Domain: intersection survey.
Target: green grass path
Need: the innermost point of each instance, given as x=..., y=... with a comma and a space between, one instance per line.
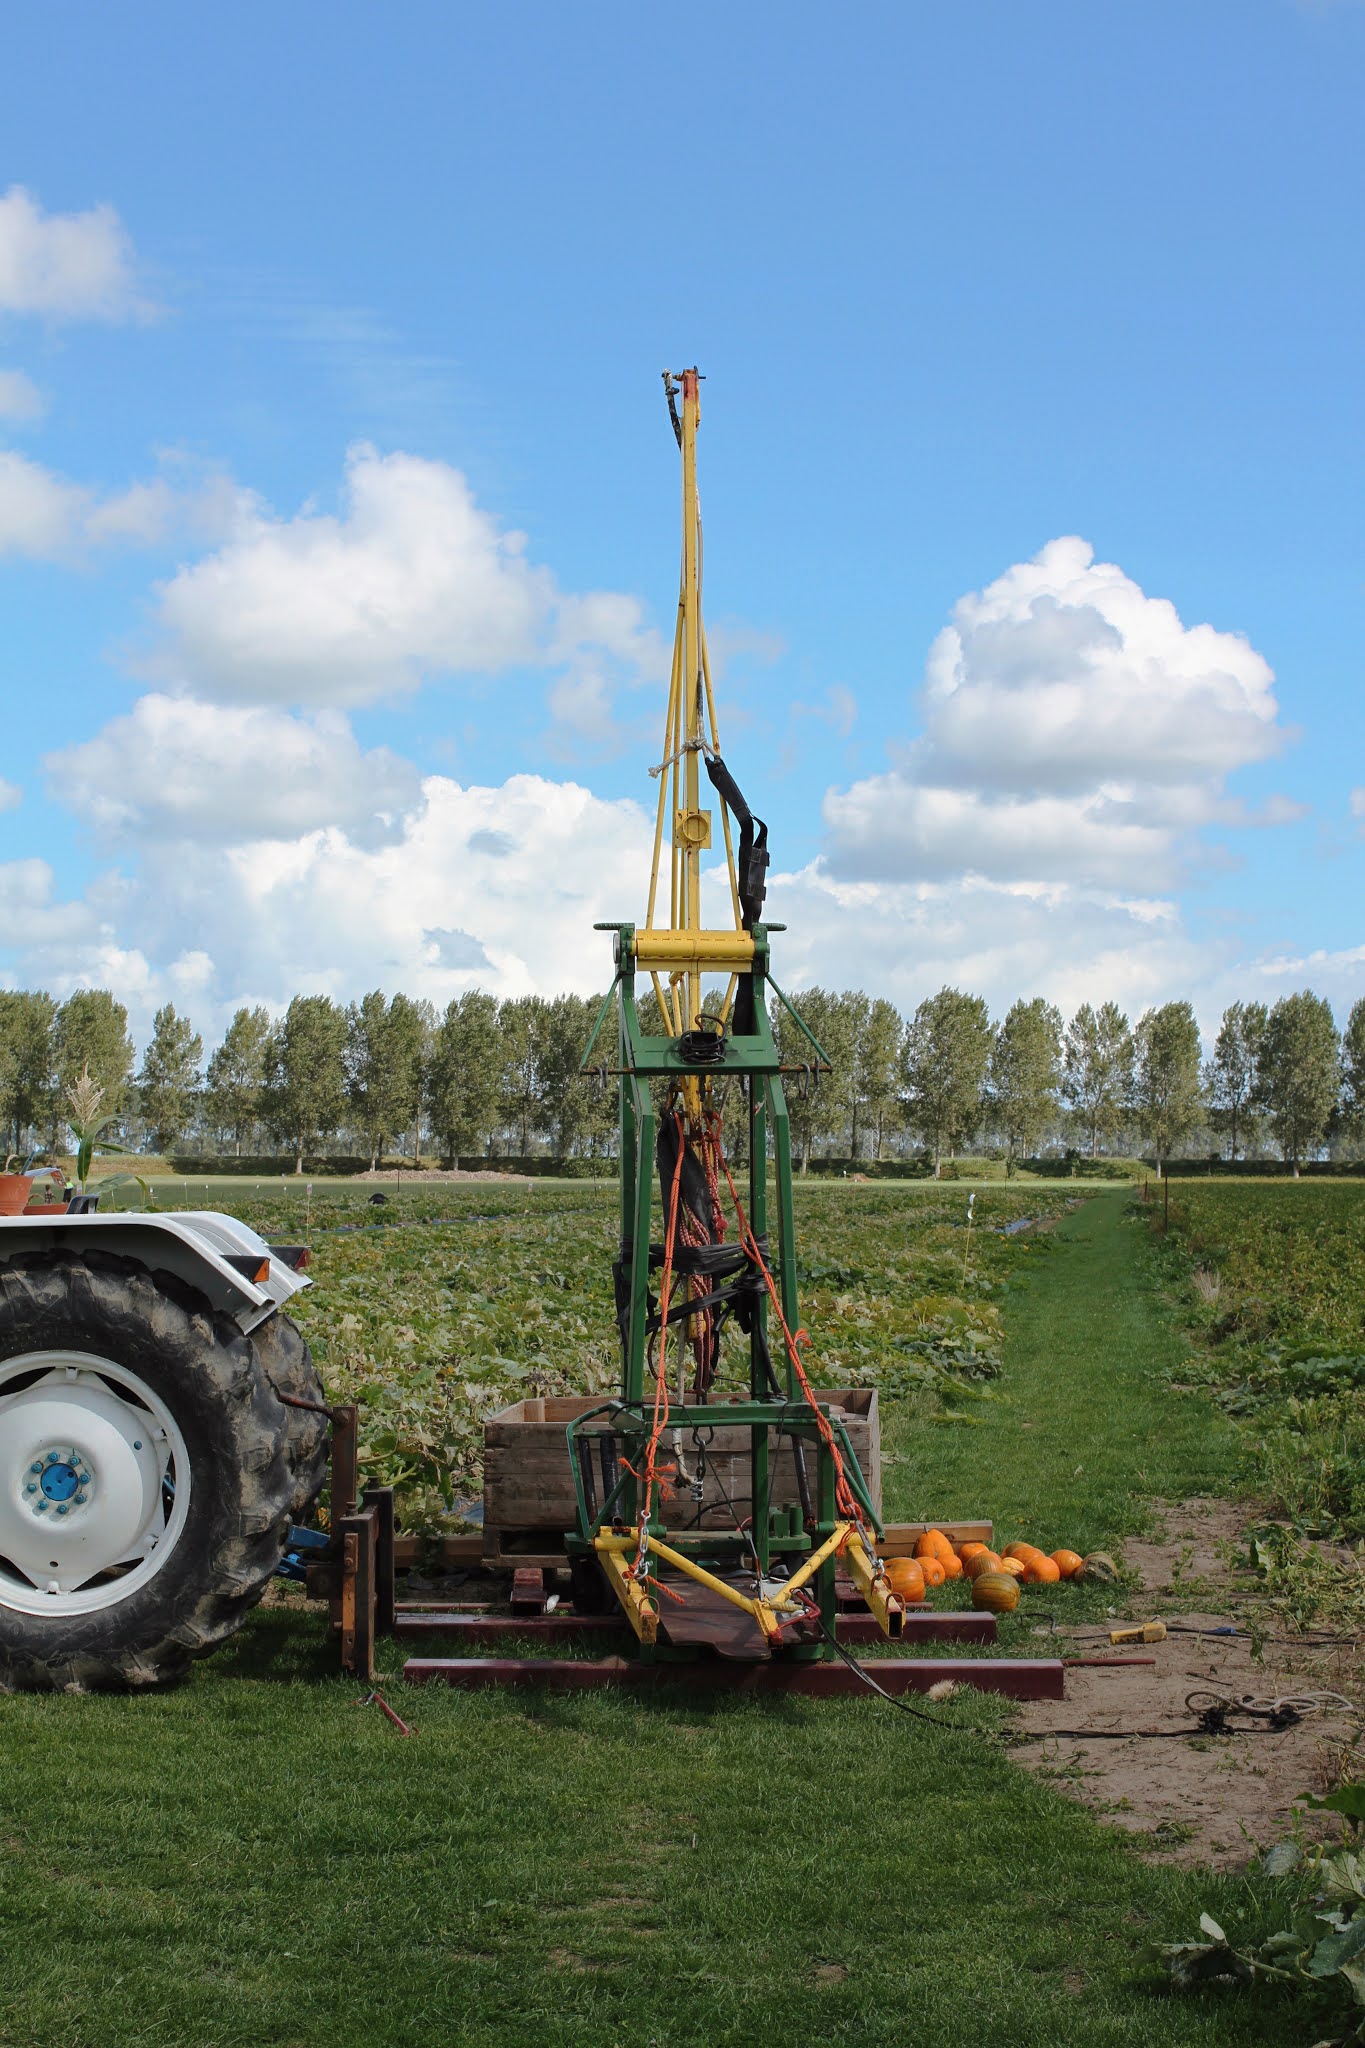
x=1081, y=1431
x=255, y=1861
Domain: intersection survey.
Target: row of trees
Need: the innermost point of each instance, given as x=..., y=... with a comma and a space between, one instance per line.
x=384, y=1073
x=388, y=1073
x=1283, y=1070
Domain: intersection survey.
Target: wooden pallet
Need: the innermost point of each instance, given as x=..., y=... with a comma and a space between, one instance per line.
x=529, y=1497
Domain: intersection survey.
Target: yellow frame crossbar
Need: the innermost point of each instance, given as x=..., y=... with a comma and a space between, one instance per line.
x=612, y=1546
x=641, y=1612
x=869, y=1576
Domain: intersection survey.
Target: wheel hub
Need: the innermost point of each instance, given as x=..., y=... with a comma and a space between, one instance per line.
x=94, y=1482
x=62, y=1478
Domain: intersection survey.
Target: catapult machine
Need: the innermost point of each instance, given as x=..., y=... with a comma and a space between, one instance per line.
x=717, y=1515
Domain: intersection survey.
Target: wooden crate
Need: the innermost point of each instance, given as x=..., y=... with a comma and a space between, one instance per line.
x=528, y=1491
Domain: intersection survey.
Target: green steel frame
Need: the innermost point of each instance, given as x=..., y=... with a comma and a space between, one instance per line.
x=753, y=1058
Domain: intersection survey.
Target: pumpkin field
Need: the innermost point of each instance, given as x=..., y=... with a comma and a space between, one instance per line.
x=442, y=1306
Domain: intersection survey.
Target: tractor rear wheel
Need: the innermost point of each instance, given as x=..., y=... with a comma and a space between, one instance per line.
x=149, y=1471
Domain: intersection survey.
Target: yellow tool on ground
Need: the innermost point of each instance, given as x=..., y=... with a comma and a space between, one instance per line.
x=1140, y=1632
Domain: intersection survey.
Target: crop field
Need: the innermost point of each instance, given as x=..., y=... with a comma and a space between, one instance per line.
x=446, y=1303
x=1272, y=1279
x=1290, y=1257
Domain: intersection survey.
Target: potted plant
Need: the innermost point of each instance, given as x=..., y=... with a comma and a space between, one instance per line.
x=15, y=1185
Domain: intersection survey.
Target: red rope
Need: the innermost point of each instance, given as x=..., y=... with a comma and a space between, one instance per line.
x=637, y=1570
x=714, y=1162
x=845, y=1498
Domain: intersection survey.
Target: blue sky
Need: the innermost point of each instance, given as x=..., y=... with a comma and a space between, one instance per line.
x=301, y=319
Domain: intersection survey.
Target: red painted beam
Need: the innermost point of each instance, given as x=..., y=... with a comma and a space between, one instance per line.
x=1022, y=1678
x=567, y=1626
x=916, y=1627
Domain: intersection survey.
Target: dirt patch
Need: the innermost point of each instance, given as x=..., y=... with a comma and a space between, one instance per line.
x=1214, y=1800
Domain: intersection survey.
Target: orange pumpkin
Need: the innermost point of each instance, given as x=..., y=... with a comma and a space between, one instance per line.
x=967, y=1551
x=905, y=1578
x=997, y=1592
x=1040, y=1571
x=984, y=1561
x=933, y=1543
x=932, y=1567
x=1023, y=1551
x=1068, y=1562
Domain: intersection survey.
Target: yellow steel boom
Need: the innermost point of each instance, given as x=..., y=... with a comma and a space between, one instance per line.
x=682, y=948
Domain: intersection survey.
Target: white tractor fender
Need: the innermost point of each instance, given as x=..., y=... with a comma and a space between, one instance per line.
x=229, y=1263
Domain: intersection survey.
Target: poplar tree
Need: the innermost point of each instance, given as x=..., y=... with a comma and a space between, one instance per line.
x=945, y=1056
x=1230, y=1078
x=1299, y=1072
x=307, y=1085
x=92, y=1037
x=849, y=1020
x=1026, y=1066
x=814, y=1106
x=28, y=1054
x=1097, y=1071
x=876, y=1058
x=387, y=1045
x=1167, y=1095
x=1353, y=1069
x=463, y=1081
x=368, y=1092
x=563, y=1094
x=169, y=1081
x=237, y=1074
x=521, y=1034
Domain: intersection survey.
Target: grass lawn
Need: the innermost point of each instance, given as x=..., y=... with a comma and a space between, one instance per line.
x=1082, y=1428
x=256, y=1860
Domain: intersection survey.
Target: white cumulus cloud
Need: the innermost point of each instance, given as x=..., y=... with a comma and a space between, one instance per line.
x=496, y=887
x=411, y=579
x=226, y=774
x=48, y=517
x=65, y=266
x=1074, y=729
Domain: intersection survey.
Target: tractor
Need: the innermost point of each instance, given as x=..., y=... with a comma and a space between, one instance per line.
x=161, y=1428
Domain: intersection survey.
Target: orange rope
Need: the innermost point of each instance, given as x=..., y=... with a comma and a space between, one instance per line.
x=713, y=1156
x=664, y=1476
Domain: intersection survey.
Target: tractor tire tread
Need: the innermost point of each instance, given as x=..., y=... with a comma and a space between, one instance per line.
x=256, y=1463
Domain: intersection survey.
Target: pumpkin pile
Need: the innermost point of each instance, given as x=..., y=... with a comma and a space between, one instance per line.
x=996, y=1580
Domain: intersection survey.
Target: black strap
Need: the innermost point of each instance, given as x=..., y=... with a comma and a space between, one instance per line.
x=753, y=879
x=753, y=842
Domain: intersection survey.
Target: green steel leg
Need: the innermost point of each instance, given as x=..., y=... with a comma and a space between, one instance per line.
x=786, y=1221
